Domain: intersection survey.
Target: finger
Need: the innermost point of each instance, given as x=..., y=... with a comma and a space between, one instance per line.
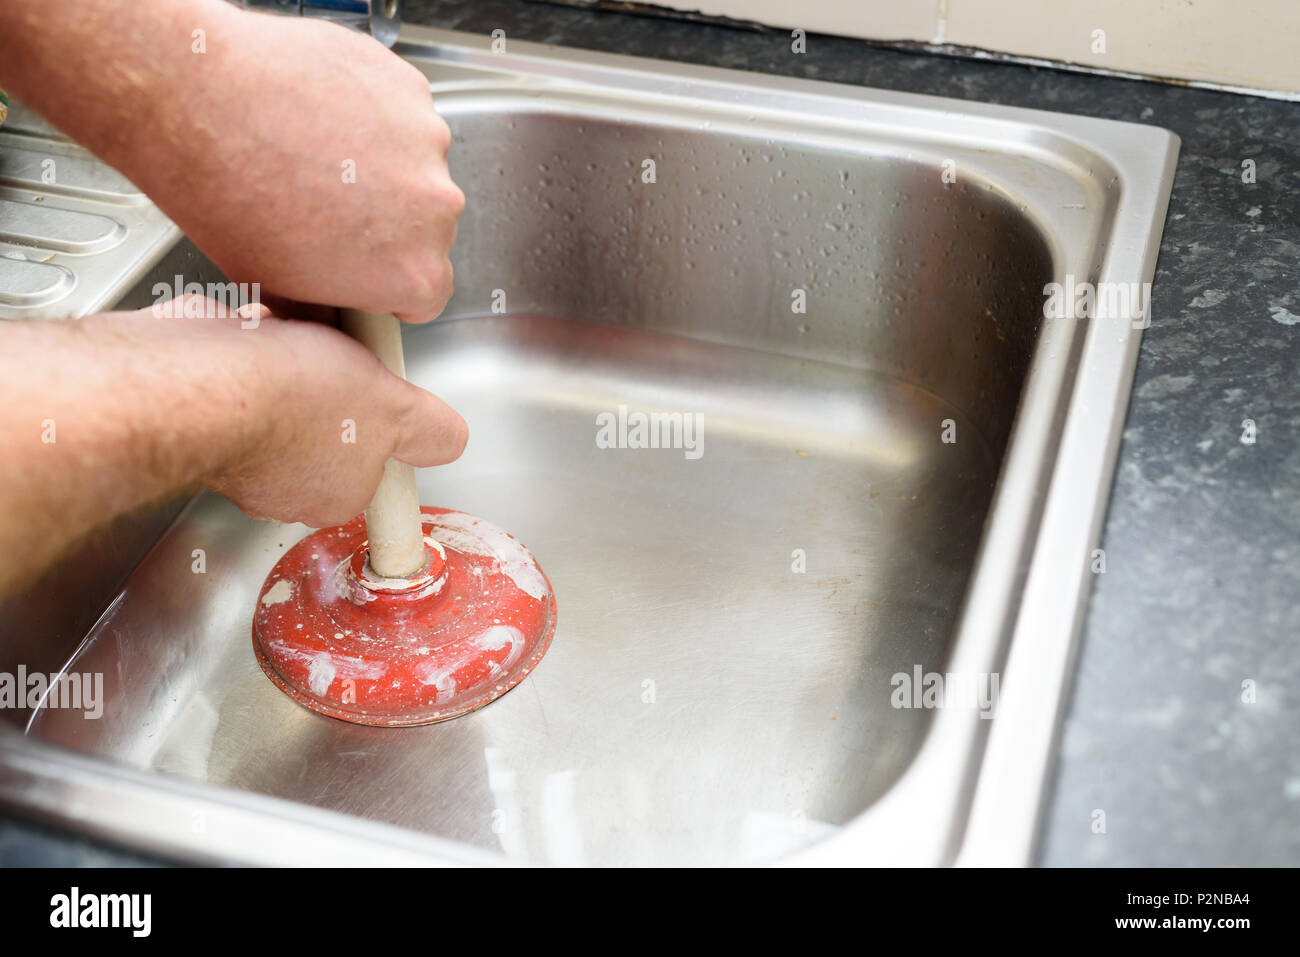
x=428, y=306
x=189, y=306
x=191, y=314
x=448, y=287
x=431, y=433
x=293, y=309
x=251, y=314
x=439, y=295
x=416, y=318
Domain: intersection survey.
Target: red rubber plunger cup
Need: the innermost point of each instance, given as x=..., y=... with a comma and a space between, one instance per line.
x=406, y=615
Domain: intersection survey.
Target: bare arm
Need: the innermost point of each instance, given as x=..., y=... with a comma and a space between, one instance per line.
x=293, y=152
x=113, y=412
x=296, y=155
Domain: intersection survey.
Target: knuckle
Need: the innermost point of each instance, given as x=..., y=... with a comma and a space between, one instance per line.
x=416, y=80
x=443, y=288
x=416, y=281
x=441, y=131
x=442, y=195
x=455, y=199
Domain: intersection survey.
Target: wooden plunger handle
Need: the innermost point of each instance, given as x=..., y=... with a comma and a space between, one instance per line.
x=393, y=516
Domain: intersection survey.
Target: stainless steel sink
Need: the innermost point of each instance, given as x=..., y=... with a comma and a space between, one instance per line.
x=740, y=613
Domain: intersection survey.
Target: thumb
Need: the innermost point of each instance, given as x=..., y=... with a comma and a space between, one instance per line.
x=431, y=432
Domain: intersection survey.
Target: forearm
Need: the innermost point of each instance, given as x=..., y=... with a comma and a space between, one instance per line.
x=293, y=152
x=156, y=88
x=112, y=75
x=103, y=416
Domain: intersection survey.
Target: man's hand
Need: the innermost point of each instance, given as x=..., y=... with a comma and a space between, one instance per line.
x=325, y=175
x=293, y=420
x=294, y=152
x=332, y=417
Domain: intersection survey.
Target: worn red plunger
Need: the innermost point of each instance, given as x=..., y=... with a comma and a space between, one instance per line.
x=405, y=615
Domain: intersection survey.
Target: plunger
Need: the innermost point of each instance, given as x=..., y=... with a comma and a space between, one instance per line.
x=404, y=615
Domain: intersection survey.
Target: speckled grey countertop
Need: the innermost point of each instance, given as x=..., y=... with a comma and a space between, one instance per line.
x=1202, y=588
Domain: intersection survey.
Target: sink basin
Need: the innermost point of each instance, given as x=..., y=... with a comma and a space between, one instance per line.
x=878, y=467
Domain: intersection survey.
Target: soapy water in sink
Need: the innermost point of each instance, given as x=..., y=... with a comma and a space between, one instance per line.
x=718, y=690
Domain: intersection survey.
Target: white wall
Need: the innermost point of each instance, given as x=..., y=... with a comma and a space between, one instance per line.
x=1251, y=44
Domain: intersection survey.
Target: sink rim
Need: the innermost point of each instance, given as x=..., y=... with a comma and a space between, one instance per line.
x=1078, y=365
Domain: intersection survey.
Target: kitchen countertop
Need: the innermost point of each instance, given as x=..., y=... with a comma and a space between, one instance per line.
x=1188, y=681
